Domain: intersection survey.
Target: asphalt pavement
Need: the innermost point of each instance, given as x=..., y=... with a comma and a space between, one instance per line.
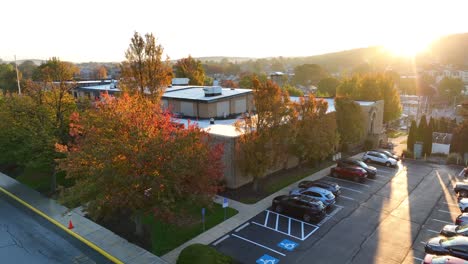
x=28, y=238
x=385, y=220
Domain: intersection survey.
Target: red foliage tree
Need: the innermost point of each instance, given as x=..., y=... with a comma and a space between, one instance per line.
x=128, y=156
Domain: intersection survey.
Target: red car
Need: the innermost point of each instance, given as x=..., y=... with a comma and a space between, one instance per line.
x=355, y=173
x=434, y=259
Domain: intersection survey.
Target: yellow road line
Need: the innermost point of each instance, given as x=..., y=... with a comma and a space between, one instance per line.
x=55, y=222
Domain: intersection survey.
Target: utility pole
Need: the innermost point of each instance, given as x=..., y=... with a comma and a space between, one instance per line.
x=17, y=77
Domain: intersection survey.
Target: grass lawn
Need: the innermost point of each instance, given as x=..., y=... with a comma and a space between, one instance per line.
x=395, y=134
x=167, y=236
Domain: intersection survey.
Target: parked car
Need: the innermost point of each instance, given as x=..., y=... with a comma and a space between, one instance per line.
x=351, y=172
x=371, y=171
x=456, y=246
x=461, y=189
x=327, y=185
x=462, y=219
x=463, y=204
x=372, y=156
x=325, y=196
x=387, y=153
x=446, y=259
x=302, y=207
x=454, y=230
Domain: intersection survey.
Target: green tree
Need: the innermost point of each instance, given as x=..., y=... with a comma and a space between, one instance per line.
x=427, y=147
x=459, y=142
x=349, y=120
x=129, y=157
x=27, y=69
x=8, y=81
x=292, y=91
x=309, y=74
x=422, y=128
x=328, y=86
x=144, y=70
x=450, y=88
x=246, y=80
x=192, y=69
x=412, y=136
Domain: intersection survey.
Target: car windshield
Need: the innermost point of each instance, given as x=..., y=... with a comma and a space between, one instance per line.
x=362, y=164
x=462, y=228
x=447, y=242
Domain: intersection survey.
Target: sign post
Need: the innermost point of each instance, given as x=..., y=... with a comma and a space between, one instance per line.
x=225, y=205
x=203, y=218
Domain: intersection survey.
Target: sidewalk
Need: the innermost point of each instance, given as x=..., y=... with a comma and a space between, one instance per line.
x=96, y=234
x=246, y=212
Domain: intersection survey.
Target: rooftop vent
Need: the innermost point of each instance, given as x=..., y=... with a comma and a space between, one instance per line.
x=212, y=91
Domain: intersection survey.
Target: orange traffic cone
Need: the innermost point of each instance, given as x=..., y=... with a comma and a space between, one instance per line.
x=70, y=224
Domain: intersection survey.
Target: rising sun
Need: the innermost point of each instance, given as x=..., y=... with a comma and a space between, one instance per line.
x=408, y=48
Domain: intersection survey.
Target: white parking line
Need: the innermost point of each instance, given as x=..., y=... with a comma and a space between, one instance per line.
x=289, y=226
x=376, y=180
x=350, y=189
x=242, y=227
x=450, y=223
x=368, y=186
x=324, y=220
x=221, y=240
x=422, y=242
x=266, y=218
x=260, y=245
x=443, y=211
x=347, y=198
x=432, y=231
x=277, y=221
x=420, y=259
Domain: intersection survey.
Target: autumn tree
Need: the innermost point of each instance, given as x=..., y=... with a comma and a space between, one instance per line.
x=373, y=87
x=128, y=157
x=246, y=79
x=309, y=74
x=190, y=68
x=101, y=72
x=56, y=77
x=314, y=129
x=144, y=70
x=349, y=120
x=328, y=86
x=459, y=142
x=262, y=144
x=27, y=69
x=228, y=84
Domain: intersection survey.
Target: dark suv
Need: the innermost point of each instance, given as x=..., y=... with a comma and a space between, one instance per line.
x=299, y=206
x=371, y=171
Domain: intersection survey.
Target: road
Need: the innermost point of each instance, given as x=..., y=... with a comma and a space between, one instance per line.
x=28, y=238
x=385, y=220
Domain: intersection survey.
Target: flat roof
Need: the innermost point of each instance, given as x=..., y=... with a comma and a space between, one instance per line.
x=331, y=102
x=223, y=127
x=103, y=87
x=196, y=93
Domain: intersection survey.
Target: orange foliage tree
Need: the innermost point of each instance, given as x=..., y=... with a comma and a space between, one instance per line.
x=128, y=156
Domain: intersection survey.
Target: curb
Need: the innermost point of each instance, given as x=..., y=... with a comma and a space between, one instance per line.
x=56, y=223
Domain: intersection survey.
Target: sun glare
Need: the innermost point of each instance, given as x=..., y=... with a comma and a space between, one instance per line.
x=409, y=48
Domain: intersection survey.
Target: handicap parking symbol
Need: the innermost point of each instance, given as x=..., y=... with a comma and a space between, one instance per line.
x=288, y=245
x=267, y=259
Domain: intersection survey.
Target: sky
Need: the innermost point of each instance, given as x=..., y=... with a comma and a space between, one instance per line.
x=100, y=30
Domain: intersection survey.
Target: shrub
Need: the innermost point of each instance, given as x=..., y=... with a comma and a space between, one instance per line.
x=454, y=158
x=407, y=154
x=368, y=144
x=202, y=254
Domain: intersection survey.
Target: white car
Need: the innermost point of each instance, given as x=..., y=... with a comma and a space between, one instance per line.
x=374, y=156
x=463, y=204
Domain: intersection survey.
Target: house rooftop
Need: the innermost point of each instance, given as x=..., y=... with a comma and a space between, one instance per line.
x=222, y=127
x=331, y=102
x=196, y=93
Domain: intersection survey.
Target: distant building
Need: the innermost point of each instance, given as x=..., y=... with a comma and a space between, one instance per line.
x=93, y=89
x=180, y=81
x=207, y=101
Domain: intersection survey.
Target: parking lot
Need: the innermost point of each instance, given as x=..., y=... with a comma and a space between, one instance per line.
x=383, y=220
